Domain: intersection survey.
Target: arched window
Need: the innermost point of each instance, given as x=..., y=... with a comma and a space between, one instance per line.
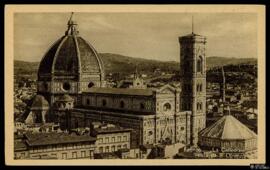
x=107, y=149
x=101, y=149
x=166, y=107
x=199, y=106
x=45, y=85
x=199, y=64
x=113, y=148
x=183, y=106
x=186, y=66
x=87, y=101
x=76, y=123
x=142, y=107
x=199, y=87
x=104, y=102
x=122, y=104
x=91, y=84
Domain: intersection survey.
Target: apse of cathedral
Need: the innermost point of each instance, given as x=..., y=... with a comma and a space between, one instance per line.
x=71, y=79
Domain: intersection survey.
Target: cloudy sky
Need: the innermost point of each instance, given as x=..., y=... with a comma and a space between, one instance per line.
x=144, y=35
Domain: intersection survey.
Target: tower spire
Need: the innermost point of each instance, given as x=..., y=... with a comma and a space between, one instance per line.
x=70, y=19
x=136, y=72
x=192, y=27
x=223, y=84
x=72, y=26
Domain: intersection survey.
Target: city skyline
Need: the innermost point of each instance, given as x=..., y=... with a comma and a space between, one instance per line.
x=133, y=32
x=76, y=103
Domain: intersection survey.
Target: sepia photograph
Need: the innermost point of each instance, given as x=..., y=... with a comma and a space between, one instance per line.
x=134, y=84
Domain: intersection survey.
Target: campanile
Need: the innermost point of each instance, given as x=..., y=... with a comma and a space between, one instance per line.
x=193, y=80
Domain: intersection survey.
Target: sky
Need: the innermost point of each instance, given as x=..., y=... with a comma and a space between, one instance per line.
x=143, y=35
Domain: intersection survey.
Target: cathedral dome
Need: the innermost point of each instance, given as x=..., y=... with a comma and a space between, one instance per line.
x=71, y=55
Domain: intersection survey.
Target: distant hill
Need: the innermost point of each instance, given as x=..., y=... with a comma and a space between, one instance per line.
x=124, y=64
x=222, y=61
x=24, y=67
x=114, y=63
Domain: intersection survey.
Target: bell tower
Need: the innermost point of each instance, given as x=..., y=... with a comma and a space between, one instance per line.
x=193, y=80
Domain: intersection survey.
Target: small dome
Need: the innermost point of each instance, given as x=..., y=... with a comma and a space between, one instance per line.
x=66, y=98
x=39, y=102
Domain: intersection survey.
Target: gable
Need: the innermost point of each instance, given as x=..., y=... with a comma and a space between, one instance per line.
x=167, y=89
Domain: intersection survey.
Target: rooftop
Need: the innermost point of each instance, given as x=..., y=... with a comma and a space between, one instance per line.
x=19, y=145
x=121, y=91
x=37, y=139
x=110, y=128
x=228, y=128
x=103, y=110
x=192, y=35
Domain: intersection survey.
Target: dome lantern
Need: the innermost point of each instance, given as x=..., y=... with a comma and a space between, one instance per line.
x=72, y=26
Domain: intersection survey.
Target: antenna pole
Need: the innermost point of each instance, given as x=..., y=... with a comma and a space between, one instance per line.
x=192, y=25
x=71, y=16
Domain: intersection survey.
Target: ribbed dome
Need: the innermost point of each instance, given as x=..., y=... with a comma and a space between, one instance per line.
x=39, y=102
x=71, y=55
x=228, y=128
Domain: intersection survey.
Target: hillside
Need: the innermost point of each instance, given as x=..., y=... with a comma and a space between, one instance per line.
x=124, y=64
x=115, y=63
x=221, y=61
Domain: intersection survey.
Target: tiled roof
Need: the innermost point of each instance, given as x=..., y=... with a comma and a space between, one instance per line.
x=115, y=129
x=121, y=91
x=36, y=139
x=228, y=128
x=103, y=110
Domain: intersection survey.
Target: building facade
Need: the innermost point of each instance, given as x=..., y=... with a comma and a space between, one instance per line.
x=55, y=146
x=110, y=138
x=153, y=114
